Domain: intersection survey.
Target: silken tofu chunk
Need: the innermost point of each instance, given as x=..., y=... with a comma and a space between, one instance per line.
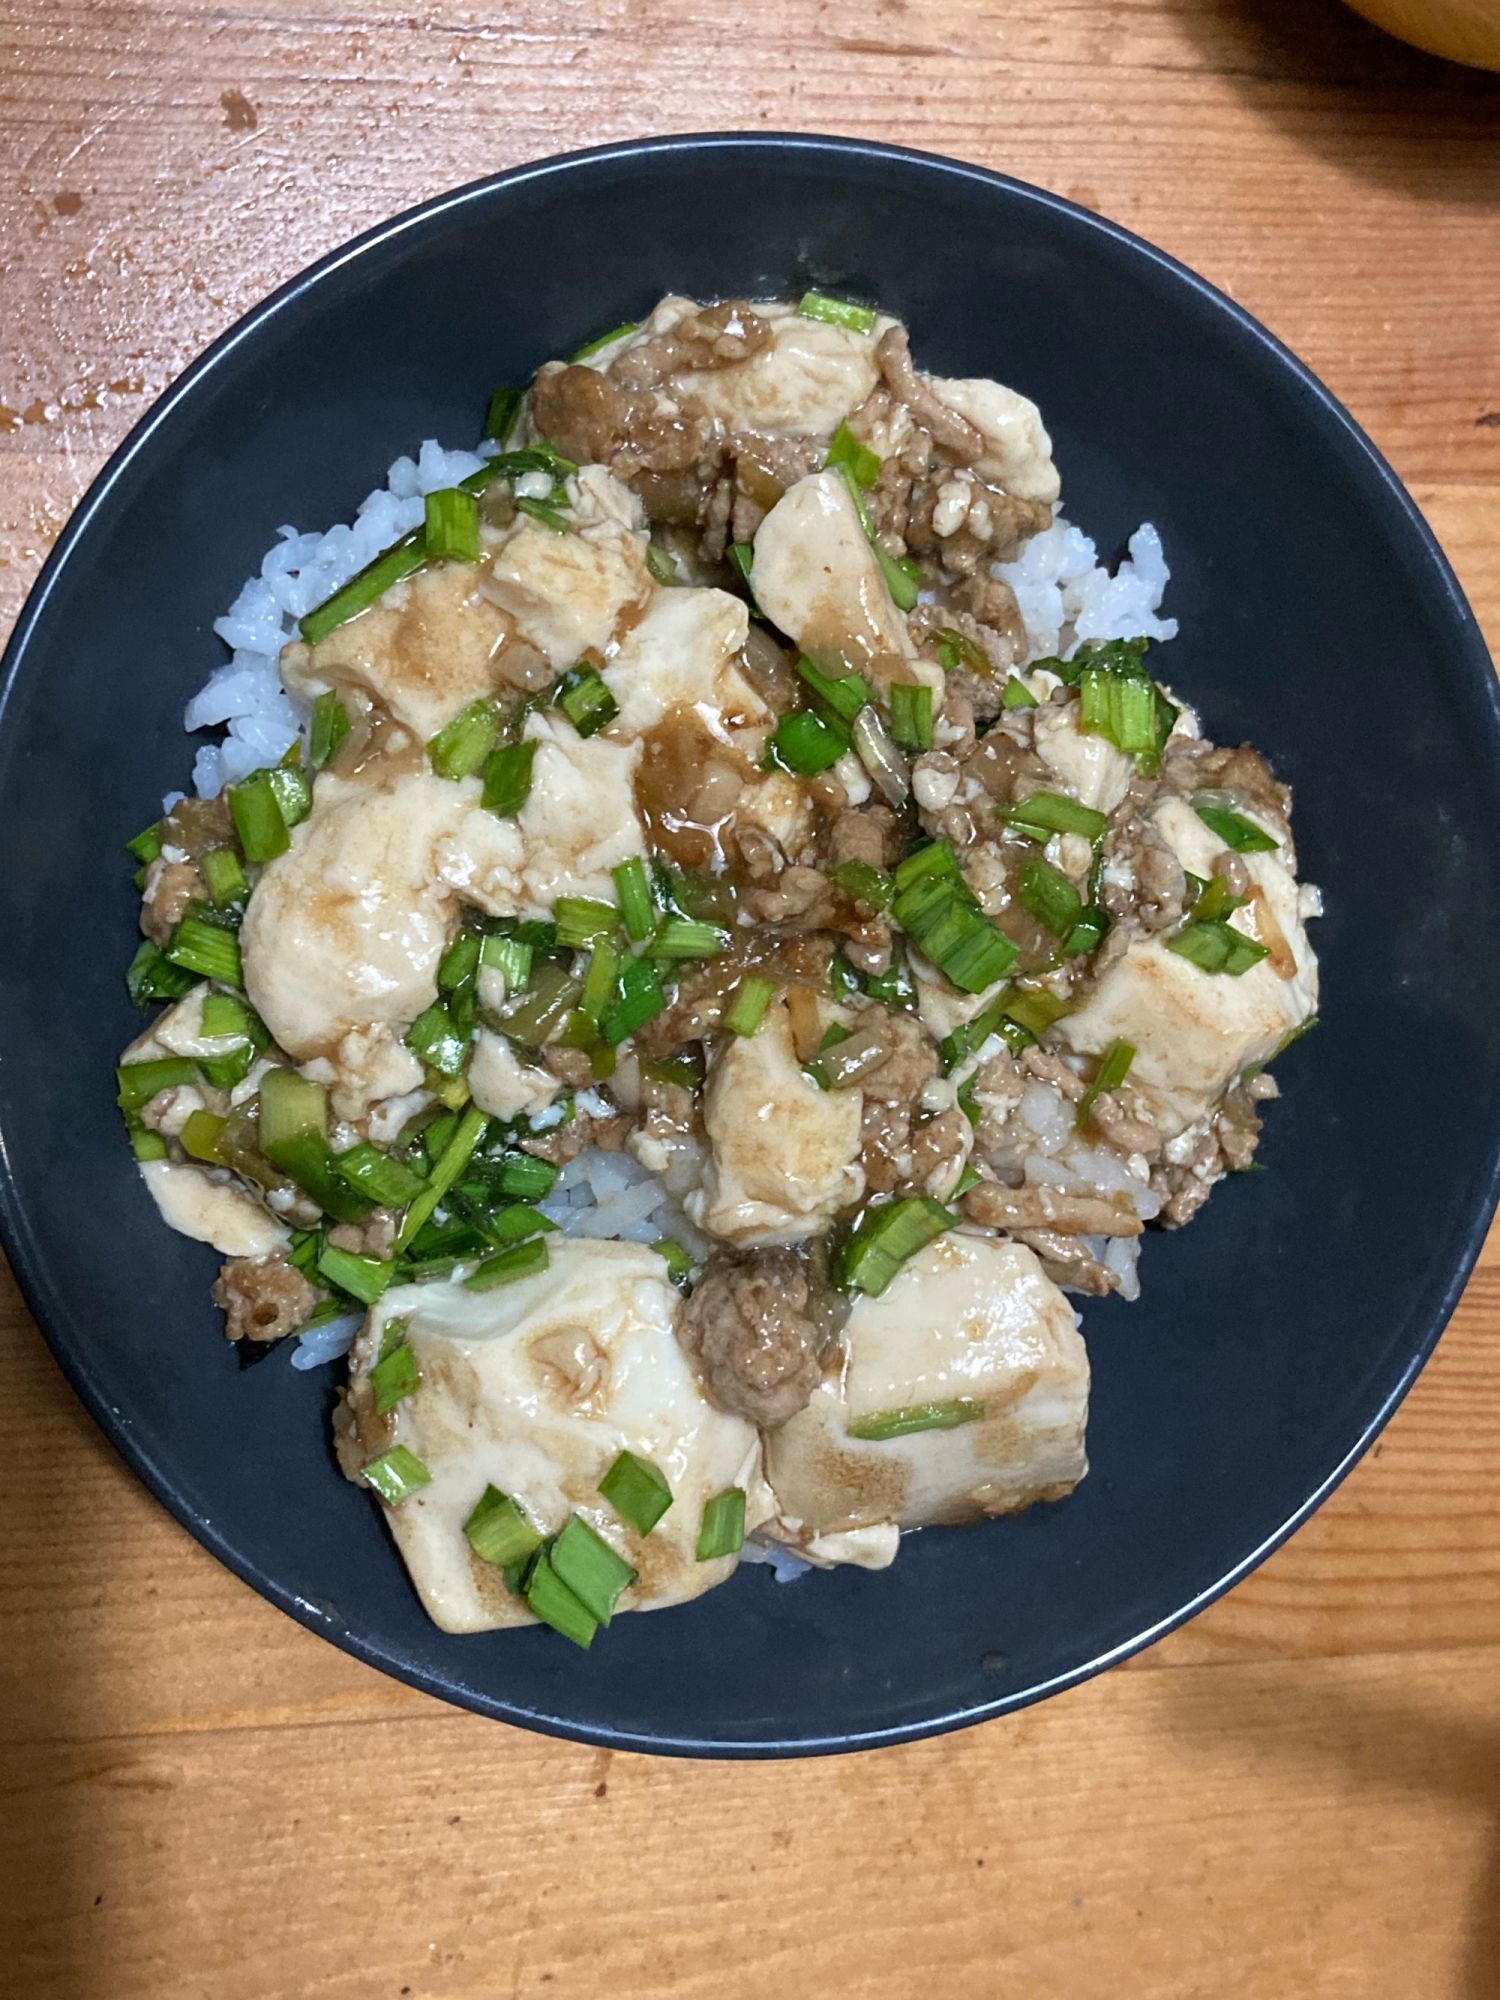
x=535, y=1388
x=969, y=1329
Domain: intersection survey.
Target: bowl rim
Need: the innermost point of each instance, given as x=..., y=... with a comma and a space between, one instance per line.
x=29, y=1267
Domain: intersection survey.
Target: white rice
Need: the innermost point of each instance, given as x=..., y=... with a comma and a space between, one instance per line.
x=1067, y=596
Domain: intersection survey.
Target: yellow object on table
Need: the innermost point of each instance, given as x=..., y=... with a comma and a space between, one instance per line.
x=1466, y=31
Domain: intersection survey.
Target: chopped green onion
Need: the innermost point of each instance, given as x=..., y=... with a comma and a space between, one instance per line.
x=463, y=743
x=223, y=1014
x=507, y=779
x=361, y=591
x=890, y=1424
x=543, y=1007
x=895, y=986
x=637, y=906
x=637, y=1490
x=224, y=1072
x=294, y=1137
x=223, y=874
x=846, y=449
x=452, y=525
x=1114, y=1067
x=1242, y=834
x=970, y=1177
x=595, y=1573
x=804, y=742
x=661, y=565
x=682, y=937
x=147, y=1145
x=200, y=1136
x=1044, y=813
x=1049, y=895
x=846, y=696
x=933, y=861
x=1016, y=694
x=888, y=1236
x=1035, y=1008
x=549, y=517
x=397, y=1474
x=911, y=715
x=677, y=1260
x=387, y=1182
x=747, y=1009
x=206, y=949
x=599, y=980
x=1088, y=933
x=394, y=1377
x=522, y=1260
x=723, y=1529
x=509, y=957
x=460, y=961
x=499, y=1531
x=526, y=1176
x=902, y=579
x=363, y=1278
x=258, y=818
x=935, y=904
x=330, y=725
x=742, y=555
x=685, y=1069
x=870, y=885
x=147, y=844
x=1214, y=945
x=434, y=1037
x=293, y=792
x=1120, y=702
x=449, y=1164
x=641, y=998
x=584, y=697
x=551, y=1600
x=516, y=1223
x=845, y=1058
x=955, y=649
x=604, y=340
x=837, y=312
x=581, y=919
x=500, y=417
x=151, y=975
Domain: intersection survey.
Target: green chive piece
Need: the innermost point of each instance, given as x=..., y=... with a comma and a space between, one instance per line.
x=605, y=340
x=595, y=1573
x=434, y=1037
x=206, y=949
x=139, y=1082
x=902, y=579
x=363, y=1278
x=686, y=1069
x=677, y=1259
x=541, y=1010
x=846, y=696
x=387, y=1182
x=526, y=1176
x=507, y=779
x=911, y=715
x=516, y=1223
x=147, y=1145
x=935, y=904
x=747, y=1009
x=870, y=885
x=888, y=1236
x=1035, y=1008
x=637, y=906
x=661, y=566
x=1090, y=931
x=460, y=961
x=393, y=1378
x=1049, y=895
x=151, y=975
x=551, y=1600
x=200, y=1136
x=293, y=792
x=806, y=743
x=500, y=418
x=224, y=875
x=1016, y=694
x=723, y=1529
x=742, y=555
x=449, y=1164
x=584, y=697
x=397, y=1474
x=361, y=591
x=330, y=725
x=224, y=1072
x=637, y=1490
x=223, y=1014
x=1216, y=946
x=294, y=1137
x=1242, y=834
x=550, y=517
x=452, y=525
x=599, y=981
x=581, y=919
x=1114, y=1067
x=508, y=956
x=683, y=937
x=147, y=844
x=499, y=1531
x=955, y=649
x=462, y=745
x=1044, y=813
x=258, y=818
x=837, y=312
x=522, y=1260
x=890, y=1424
x=641, y=998
x=846, y=449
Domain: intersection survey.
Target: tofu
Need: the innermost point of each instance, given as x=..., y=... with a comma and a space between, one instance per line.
x=1195, y=1031
x=1018, y=451
x=424, y=651
x=579, y=821
x=535, y=1388
x=504, y=1086
x=1088, y=766
x=196, y=1202
x=178, y=1031
x=968, y=1319
x=783, y=1155
x=567, y=593
x=682, y=654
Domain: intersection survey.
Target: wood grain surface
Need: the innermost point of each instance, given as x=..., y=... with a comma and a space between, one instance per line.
x=1298, y=1794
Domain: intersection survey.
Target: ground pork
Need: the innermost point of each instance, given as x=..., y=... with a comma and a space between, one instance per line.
x=264, y=1298
x=748, y=1326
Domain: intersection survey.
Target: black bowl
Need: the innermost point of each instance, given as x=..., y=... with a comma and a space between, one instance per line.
x=1318, y=617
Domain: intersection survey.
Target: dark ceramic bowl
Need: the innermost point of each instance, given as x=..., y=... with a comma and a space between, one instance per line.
x=1318, y=617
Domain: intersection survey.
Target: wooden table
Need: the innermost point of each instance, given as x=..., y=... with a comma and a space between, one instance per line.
x=1297, y=1795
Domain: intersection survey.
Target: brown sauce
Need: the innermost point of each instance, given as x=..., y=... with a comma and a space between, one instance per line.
x=687, y=787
